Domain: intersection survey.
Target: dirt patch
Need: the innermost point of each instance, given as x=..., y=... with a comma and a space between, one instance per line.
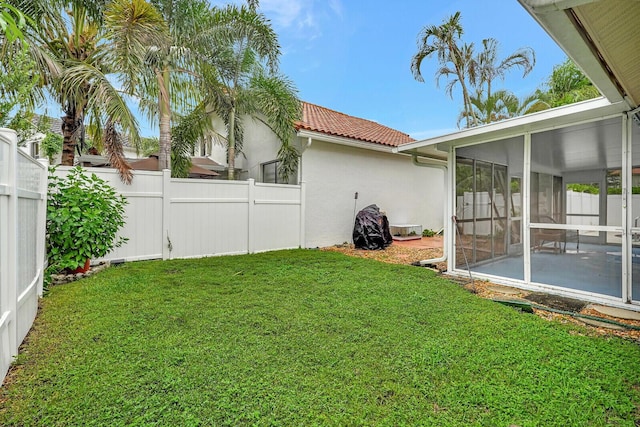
x=397, y=253
x=557, y=302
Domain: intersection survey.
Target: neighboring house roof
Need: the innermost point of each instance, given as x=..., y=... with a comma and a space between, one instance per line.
x=205, y=162
x=55, y=125
x=151, y=164
x=323, y=120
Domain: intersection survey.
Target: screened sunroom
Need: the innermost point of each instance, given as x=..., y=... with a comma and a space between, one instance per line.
x=547, y=201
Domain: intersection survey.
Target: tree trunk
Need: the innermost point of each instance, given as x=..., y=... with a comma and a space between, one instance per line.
x=231, y=138
x=460, y=66
x=69, y=134
x=164, y=157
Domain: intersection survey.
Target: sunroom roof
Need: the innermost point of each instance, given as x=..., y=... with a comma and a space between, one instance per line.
x=560, y=117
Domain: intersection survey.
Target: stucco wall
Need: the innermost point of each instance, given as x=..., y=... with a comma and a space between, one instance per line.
x=260, y=146
x=333, y=173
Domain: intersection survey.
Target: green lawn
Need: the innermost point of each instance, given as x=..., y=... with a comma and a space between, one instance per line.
x=297, y=338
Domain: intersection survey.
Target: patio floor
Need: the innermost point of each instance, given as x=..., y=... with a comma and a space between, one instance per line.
x=595, y=268
x=434, y=242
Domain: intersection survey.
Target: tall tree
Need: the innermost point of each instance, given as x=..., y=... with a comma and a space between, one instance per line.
x=81, y=47
x=240, y=79
x=567, y=84
x=487, y=67
x=12, y=21
x=453, y=56
x=17, y=79
x=501, y=105
x=169, y=84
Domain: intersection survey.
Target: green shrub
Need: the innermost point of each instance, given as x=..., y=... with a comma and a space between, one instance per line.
x=427, y=232
x=618, y=190
x=51, y=145
x=84, y=214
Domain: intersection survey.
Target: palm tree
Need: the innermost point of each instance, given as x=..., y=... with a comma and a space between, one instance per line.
x=239, y=79
x=454, y=58
x=169, y=82
x=567, y=84
x=12, y=21
x=487, y=67
x=80, y=55
x=501, y=105
x=17, y=80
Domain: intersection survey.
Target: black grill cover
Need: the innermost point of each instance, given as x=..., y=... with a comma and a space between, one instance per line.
x=371, y=229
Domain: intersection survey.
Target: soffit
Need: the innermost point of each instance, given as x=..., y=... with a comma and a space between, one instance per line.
x=601, y=37
x=614, y=28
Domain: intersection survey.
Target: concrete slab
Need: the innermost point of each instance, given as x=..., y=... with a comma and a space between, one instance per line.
x=620, y=313
x=504, y=290
x=599, y=324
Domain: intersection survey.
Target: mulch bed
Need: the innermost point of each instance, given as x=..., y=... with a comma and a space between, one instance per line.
x=394, y=254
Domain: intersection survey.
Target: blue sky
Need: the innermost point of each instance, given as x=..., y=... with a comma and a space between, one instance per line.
x=354, y=56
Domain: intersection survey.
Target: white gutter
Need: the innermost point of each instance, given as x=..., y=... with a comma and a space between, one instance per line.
x=345, y=141
x=436, y=164
x=305, y=146
x=546, y=6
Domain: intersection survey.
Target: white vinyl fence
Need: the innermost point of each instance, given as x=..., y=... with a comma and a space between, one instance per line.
x=583, y=208
x=185, y=218
x=23, y=186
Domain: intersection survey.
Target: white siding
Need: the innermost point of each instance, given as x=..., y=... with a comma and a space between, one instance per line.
x=277, y=216
x=23, y=184
x=186, y=218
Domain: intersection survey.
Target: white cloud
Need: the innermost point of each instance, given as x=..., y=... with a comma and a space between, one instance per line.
x=336, y=7
x=284, y=13
x=305, y=17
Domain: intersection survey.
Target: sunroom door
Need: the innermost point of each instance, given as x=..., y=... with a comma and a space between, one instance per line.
x=514, y=215
x=482, y=201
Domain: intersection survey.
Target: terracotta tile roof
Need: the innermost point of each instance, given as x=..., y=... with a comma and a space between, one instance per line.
x=319, y=119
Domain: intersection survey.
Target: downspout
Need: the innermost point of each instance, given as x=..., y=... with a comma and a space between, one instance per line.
x=443, y=168
x=303, y=148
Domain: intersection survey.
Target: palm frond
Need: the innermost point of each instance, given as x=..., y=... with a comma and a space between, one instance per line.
x=113, y=145
x=132, y=27
x=246, y=29
x=83, y=82
x=277, y=102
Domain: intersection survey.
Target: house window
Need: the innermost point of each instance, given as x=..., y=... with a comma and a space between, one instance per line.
x=271, y=174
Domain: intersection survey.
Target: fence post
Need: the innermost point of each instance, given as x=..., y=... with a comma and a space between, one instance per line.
x=303, y=214
x=166, y=214
x=11, y=258
x=41, y=255
x=251, y=200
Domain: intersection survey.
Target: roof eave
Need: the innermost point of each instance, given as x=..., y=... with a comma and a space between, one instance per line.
x=350, y=142
x=555, y=17
x=556, y=117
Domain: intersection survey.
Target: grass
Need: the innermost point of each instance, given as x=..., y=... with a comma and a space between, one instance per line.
x=307, y=338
